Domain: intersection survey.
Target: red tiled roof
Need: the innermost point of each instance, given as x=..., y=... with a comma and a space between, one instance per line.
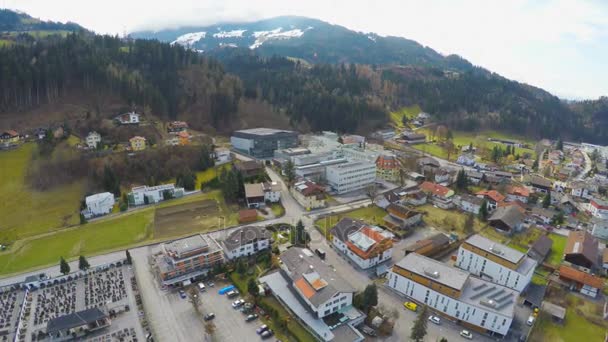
x=435, y=189
x=492, y=194
x=519, y=191
x=581, y=277
x=517, y=203
x=12, y=133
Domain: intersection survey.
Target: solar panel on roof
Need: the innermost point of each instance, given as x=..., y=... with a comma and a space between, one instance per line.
x=484, y=292
x=504, y=297
x=502, y=305
x=479, y=287
x=494, y=295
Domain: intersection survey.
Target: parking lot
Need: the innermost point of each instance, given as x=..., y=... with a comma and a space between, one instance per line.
x=229, y=322
x=173, y=318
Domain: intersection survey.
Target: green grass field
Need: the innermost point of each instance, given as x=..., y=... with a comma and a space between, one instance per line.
x=87, y=240
x=410, y=112
x=478, y=139
x=372, y=215
x=575, y=327
x=97, y=237
x=450, y=221
x=557, y=250
x=26, y=212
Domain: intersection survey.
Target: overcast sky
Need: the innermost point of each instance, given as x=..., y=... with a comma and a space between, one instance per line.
x=559, y=45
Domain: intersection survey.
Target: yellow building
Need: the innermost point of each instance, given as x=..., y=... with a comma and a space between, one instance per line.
x=138, y=143
x=10, y=138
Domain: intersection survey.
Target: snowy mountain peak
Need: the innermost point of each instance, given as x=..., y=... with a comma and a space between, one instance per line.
x=189, y=39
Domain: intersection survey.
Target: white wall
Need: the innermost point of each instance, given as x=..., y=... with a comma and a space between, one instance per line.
x=272, y=196
x=351, y=179
x=362, y=263
x=247, y=249
x=337, y=302
x=476, y=264
x=469, y=207
x=450, y=306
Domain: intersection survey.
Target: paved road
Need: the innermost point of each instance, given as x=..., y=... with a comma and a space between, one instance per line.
x=587, y=166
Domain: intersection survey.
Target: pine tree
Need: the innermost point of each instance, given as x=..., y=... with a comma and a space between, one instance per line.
x=559, y=145
x=547, y=200
x=83, y=264
x=419, y=327
x=64, y=267
x=370, y=297
x=252, y=287
x=483, y=211
x=128, y=256
x=299, y=235
x=290, y=172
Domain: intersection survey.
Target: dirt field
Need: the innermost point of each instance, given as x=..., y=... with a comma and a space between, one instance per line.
x=186, y=218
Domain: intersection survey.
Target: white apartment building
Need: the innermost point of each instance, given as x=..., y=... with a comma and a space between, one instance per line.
x=98, y=204
x=153, y=194
x=272, y=192
x=351, y=176
x=93, y=139
x=366, y=246
x=246, y=241
x=482, y=305
x=598, y=208
x=496, y=263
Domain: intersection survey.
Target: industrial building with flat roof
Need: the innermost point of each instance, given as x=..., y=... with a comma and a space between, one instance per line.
x=351, y=176
x=495, y=262
x=262, y=142
x=476, y=303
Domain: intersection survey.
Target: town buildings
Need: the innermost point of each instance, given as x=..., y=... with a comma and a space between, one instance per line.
x=400, y=217
x=429, y=246
x=507, y=219
x=580, y=280
x=184, y=261
x=76, y=325
x=351, y=176
x=469, y=203
x=365, y=245
x=308, y=194
x=93, y=139
x=175, y=127
x=476, y=303
x=387, y=168
x=496, y=263
x=246, y=241
x=258, y=194
x=317, y=295
x=413, y=138
x=98, y=204
x=492, y=197
x=9, y=139
x=262, y=142
x=598, y=208
x=440, y=195
x=130, y=118
x=153, y=194
x=137, y=143
x=540, y=248
x=581, y=249
x=250, y=168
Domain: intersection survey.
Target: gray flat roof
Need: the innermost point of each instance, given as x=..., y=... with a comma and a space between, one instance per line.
x=489, y=296
x=263, y=131
x=187, y=245
x=434, y=270
x=495, y=248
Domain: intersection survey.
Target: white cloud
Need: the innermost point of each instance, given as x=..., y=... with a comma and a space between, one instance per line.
x=554, y=44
